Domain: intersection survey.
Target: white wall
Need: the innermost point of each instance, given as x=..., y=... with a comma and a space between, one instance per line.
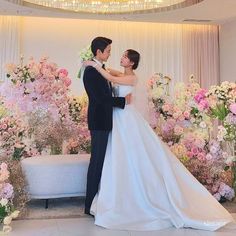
x=228, y=51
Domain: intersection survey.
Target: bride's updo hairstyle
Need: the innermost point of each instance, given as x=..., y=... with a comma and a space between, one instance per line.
x=134, y=57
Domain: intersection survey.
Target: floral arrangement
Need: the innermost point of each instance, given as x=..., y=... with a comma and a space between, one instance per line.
x=48, y=133
x=223, y=107
x=12, y=131
x=81, y=143
x=36, y=86
x=185, y=122
x=84, y=55
x=39, y=92
x=7, y=211
x=37, y=114
x=222, y=100
x=78, y=107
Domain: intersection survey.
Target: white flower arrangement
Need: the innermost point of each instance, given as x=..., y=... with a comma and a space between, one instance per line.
x=85, y=55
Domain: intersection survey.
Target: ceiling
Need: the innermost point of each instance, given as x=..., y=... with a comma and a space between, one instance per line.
x=205, y=12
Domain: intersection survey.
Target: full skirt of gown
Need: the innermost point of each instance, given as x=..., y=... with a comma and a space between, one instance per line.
x=145, y=187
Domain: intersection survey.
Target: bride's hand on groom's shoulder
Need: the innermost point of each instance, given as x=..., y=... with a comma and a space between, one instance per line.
x=89, y=63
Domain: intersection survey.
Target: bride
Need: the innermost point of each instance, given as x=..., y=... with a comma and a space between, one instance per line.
x=144, y=186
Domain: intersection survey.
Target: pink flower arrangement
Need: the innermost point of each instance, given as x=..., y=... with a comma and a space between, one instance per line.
x=12, y=130
x=6, y=195
x=39, y=92
x=183, y=121
x=36, y=85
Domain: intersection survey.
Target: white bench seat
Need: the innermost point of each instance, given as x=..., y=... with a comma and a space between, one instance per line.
x=56, y=176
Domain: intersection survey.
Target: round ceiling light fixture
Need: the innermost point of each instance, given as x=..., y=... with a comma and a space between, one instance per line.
x=112, y=7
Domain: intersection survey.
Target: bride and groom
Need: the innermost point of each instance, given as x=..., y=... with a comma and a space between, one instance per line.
x=134, y=181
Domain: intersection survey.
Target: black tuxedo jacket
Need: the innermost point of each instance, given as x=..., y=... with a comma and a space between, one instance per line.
x=101, y=102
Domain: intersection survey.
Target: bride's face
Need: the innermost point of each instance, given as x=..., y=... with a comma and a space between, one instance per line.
x=125, y=61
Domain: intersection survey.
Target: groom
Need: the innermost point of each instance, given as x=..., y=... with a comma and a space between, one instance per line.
x=100, y=107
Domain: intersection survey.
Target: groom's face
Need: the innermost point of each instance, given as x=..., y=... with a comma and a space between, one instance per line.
x=103, y=56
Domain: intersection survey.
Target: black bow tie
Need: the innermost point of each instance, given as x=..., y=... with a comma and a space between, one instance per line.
x=103, y=66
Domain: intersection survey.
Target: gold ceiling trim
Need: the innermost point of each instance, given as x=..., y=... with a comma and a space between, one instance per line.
x=106, y=7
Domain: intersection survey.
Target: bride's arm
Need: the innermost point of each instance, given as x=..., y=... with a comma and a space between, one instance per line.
x=125, y=79
x=114, y=72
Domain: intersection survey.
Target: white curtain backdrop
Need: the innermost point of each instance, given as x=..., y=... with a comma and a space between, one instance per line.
x=201, y=53
x=9, y=41
x=173, y=49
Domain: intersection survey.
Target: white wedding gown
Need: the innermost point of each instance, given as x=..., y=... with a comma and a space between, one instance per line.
x=145, y=187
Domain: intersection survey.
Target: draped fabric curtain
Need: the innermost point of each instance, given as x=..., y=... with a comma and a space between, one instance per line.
x=9, y=42
x=201, y=53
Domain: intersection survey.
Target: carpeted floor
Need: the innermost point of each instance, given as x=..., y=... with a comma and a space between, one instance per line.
x=57, y=208
x=70, y=208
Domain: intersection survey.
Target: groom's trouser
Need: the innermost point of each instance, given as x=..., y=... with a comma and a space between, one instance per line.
x=99, y=139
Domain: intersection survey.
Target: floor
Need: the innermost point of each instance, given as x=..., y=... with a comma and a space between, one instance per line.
x=84, y=226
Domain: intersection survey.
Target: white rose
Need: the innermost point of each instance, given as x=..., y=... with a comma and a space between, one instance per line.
x=6, y=229
x=3, y=201
x=229, y=160
x=203, y=125
x=7, y=220
x=15, y=214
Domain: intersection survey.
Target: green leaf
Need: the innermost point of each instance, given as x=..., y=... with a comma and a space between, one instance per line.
x=3, y=213
x=79, y=74
x=226, y=168
x=220, y=111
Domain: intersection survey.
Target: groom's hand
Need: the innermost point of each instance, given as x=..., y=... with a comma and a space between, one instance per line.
x=128, y=99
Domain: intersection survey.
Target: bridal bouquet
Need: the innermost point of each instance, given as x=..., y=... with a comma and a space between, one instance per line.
x=85, y=54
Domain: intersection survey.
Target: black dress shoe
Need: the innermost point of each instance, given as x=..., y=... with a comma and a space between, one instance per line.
x=87, y=212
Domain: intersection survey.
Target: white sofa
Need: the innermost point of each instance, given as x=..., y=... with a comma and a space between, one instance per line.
x=56, y=176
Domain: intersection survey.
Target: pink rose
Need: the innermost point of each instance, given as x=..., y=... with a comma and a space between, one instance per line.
x=166, y=107
x=200, y=95
x=232, y=108
x=4, y=126
x=190, y=154
x=178, y=130
x=194, y=150
x=201, y=156
x=187, y=114
x=3, y=166
x=150, y=82
x=181, y=118
x=203, y=104
x=63, y=73
x=67, y=82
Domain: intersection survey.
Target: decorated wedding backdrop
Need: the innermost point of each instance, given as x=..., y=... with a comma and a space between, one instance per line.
x=39, y=116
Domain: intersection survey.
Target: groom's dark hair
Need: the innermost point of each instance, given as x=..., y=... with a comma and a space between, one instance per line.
x=99, y=43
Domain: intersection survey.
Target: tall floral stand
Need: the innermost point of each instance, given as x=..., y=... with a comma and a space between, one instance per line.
x=230, y=147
